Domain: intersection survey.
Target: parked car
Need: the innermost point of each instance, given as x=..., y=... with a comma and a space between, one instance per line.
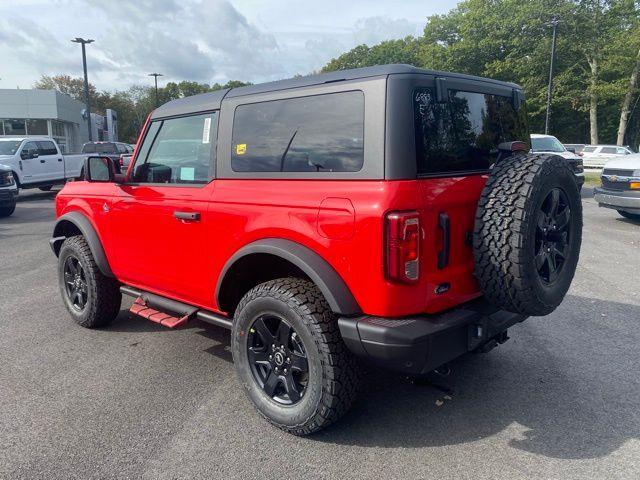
x=37, y=162
x=112, y=150
x=550, y=144
x=8, y=191
x=327, y=217
x=620, y=188
x=598, y=155
x=576, y=148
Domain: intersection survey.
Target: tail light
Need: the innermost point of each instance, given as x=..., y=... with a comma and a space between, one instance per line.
x=403, y=247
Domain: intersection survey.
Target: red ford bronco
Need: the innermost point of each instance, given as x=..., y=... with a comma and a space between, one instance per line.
x=388, y=213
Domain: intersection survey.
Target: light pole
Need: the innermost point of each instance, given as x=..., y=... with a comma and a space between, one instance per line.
x=83, y=42
x=155, y=77
x=553, y=23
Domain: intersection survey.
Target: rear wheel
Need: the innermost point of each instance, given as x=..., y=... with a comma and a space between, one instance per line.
x=92, y=299
x=528, y=233
x=290, y=357
x=630, y=216
x=46, y=188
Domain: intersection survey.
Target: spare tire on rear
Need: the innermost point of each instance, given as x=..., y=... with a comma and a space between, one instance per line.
x=527, y=235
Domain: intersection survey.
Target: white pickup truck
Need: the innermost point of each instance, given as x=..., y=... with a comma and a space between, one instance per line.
x=36, y=162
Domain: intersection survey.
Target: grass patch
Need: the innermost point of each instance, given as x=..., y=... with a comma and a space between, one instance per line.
x=592, y=179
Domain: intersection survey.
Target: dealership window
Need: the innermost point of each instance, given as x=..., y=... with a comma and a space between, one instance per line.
x=37, y=127
x=178, y=150
x=462, y=135
x=14, y=127
x=322, y=133
x=58, y=132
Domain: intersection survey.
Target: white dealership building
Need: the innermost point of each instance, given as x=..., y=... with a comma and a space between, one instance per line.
x=54, y=114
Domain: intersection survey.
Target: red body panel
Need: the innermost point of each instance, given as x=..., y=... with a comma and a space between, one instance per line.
x=342, y=221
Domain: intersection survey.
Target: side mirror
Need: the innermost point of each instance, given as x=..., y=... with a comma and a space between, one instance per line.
x=99, y=169
x=29, y=153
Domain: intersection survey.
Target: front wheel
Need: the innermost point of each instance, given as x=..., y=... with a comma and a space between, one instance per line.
x=290, y=357
x=7, y=211
x=92, y=299
x=630, y=216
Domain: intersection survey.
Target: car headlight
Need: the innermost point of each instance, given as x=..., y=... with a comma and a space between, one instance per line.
x=6, y=179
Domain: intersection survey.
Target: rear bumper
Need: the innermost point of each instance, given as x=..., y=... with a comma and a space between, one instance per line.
x=418, y=345
x=627, y=200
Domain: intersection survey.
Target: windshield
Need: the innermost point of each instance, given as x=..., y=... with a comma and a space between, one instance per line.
x=9, y=147
x=546, y=144
x=99, y=148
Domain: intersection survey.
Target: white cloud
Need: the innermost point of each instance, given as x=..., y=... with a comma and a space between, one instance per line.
x=202, y=40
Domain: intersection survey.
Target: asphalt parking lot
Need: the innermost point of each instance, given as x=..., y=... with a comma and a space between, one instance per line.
x=561, y=399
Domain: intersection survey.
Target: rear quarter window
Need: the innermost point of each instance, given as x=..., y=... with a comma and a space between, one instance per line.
x=321, y=133
x=463, y=134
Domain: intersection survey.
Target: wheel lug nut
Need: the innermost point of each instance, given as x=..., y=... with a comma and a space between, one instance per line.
x=270, y=357
x=285, y=370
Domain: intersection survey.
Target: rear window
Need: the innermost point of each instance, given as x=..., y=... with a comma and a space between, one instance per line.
x=463, y=134
x=589, y=149
x=322, y=133
x=99, y=148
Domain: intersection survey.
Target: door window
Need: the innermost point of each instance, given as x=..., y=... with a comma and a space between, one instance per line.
x=46, y=148
x=463, y=134
x=178, y=150
x=609, y=150
x=321, y=133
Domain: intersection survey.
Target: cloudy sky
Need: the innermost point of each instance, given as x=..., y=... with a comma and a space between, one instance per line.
x=203, y=40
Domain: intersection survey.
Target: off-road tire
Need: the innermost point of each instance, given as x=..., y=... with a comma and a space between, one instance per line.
x=630, y=216
x=103, y=297
x=505, y=233
x=333, y=372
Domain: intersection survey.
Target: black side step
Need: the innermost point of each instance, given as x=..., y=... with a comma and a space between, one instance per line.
x=184, y=310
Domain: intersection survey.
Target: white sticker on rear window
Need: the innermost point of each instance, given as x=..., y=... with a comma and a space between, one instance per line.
x=206, y=130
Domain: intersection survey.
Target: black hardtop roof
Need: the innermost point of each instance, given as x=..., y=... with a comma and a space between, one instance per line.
x=212, y=100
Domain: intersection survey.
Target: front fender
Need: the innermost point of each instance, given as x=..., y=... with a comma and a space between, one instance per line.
x=63, y=228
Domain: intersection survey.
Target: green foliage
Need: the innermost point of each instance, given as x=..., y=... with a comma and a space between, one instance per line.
x=511, y=40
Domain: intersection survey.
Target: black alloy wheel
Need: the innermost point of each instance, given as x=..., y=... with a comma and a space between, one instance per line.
x=75, y=283
x=277, y=359
x=553, y=232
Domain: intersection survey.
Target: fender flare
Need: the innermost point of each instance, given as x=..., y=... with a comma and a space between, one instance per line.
x=88, y=232
x=320, y=272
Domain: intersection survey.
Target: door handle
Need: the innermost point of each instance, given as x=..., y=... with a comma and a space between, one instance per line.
x=59, y=159
x=42, y=160
x=443, y=255
x=187, y=216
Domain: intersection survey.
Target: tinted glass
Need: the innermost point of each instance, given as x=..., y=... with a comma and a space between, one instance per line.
x=99, y=169
x=178, y=150
x=608, y=150
x=37, y=127
x=121, y=148
x=463, y=134
x=46, y=148
x=323, y=133
x=589, y=149
x=99, y=148
x=14, y=127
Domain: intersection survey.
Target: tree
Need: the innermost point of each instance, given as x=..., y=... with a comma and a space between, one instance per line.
x=74, y=87
x=392, y=51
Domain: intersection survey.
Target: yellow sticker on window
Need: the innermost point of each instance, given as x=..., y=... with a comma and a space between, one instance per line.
x=241, y=148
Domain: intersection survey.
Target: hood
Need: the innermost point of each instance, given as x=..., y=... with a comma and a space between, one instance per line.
x=4, y=168
x=566, y=154
x=626, y=162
